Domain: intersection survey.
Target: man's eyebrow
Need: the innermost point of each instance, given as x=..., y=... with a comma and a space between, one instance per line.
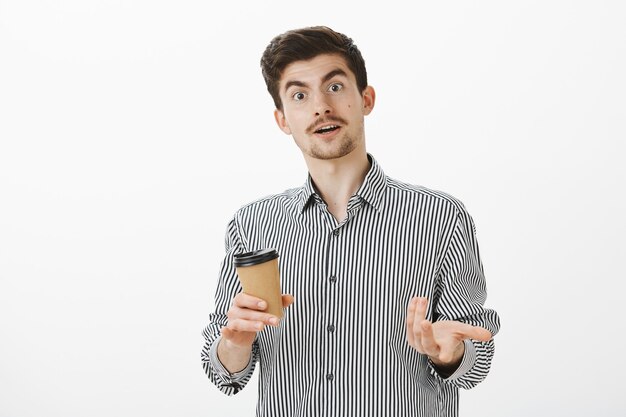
x=294, y=83
x=334, y=73
x=325, y=78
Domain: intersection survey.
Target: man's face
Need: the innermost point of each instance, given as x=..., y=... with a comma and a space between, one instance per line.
x=322, y=107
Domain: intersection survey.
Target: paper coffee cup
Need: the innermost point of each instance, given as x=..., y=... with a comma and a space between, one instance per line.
x=258, y=275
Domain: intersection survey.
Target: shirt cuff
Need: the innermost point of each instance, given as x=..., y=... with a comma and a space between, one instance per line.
x=220, y=370
x=469, y=358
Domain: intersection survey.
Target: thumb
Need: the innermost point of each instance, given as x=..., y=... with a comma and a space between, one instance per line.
x=478, y=333
x=287, y=300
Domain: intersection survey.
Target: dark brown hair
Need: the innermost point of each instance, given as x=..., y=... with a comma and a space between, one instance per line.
x=305, y=44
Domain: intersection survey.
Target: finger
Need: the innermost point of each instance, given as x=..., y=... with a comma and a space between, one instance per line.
x=236, y=313
x=248, y=301
x=410, y=319
x=229, y=334
x=237, y=339
x=420, y=312
x=419, y=316
x=430, y=345
x=475, y=332
x=242, y=325
x=287, y=300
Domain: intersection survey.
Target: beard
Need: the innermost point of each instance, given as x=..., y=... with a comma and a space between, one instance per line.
x=334, y=151
x=339, y=147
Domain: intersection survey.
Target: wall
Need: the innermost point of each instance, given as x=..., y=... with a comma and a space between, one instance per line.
x=131, y=131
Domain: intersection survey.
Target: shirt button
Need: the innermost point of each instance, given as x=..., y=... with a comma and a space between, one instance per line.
x=329, y=377
x=331, y=328
x=333, y=279
x=336, y=232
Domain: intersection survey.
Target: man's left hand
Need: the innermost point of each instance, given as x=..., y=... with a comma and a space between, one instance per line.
x=443, y=340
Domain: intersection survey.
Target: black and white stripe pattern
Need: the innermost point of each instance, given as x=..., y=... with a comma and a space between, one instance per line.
x=341, y=348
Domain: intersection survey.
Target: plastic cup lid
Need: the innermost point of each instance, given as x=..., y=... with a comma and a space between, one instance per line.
x=255, y=257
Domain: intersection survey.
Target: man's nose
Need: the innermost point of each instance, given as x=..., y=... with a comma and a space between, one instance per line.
x=322, y=105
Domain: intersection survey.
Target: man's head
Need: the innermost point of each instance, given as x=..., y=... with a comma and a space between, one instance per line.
x=318, y=81
x=303, y=45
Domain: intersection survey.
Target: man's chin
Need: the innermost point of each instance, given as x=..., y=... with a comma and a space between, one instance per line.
x=329, y=155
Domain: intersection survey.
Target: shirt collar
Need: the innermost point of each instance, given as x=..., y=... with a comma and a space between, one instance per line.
x=372, y=190
x=307, y=193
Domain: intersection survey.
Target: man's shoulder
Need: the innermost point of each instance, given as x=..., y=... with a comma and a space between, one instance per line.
x=284, y=200
x=425, y=194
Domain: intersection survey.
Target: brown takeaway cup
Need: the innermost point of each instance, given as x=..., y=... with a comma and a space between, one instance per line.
x=258, y=275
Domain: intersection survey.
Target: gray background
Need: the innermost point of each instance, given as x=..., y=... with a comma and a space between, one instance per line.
x=130, y=131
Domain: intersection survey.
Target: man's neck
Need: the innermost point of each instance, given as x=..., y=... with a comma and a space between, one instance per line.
x=337, y=180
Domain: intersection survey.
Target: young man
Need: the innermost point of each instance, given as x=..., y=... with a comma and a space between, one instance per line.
x=388, y=317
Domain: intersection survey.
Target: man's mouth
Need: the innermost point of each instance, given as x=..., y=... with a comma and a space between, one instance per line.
x=327, y=129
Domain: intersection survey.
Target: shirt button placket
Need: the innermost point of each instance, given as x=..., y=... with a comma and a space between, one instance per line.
x=332, y=300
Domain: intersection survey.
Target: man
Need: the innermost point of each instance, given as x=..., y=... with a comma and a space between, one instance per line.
x=388, y=316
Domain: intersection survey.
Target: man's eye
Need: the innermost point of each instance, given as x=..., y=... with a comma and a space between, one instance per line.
x=335, y=87
x=298, y=96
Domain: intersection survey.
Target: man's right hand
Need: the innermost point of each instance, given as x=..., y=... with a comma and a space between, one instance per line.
x=246, y=317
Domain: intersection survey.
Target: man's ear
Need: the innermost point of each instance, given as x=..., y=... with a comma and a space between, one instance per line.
x=281, y=121
x=369, y=99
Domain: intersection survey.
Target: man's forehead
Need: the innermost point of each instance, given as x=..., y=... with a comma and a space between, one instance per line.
x=314, y=69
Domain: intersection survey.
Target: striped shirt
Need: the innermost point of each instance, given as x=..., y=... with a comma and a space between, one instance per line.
x=341, y=348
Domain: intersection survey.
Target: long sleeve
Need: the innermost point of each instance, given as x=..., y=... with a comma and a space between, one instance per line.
x=228, y=286
x=462, y=297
